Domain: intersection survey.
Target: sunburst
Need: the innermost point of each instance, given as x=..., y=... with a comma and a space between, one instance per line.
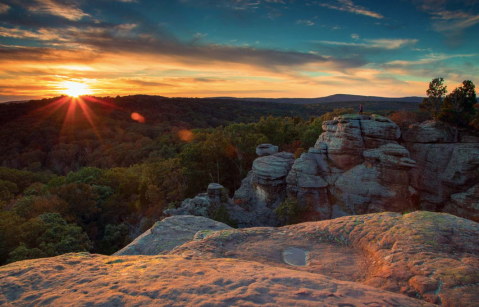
x=75, y=89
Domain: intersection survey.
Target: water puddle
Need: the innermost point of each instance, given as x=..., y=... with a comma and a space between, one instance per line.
x=295, y=256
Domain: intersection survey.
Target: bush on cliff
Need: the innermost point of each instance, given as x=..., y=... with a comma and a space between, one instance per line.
x=289, y=211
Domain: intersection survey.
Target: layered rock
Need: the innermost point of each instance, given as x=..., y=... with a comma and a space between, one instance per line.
x=465, y=204
x=204, y=204
x=262, y=190
x=380, y=184
x=356, y=167
x=443, y=168
x=266, y=150
x=170, y=233
x=347, y=136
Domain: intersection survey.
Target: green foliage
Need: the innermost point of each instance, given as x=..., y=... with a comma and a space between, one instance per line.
x=49, y=235
x=115, y=238
x=435, y=93
x=458, y=107
x=289, y=211
x=223, y=216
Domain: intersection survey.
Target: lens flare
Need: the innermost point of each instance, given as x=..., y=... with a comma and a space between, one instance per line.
x=137, y=117
x=185, y=135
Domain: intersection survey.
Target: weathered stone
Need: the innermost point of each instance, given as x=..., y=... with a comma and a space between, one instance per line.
x=266, y=150
x=465, y=204
x=380, y=184
x=428, y=132
x=170, y=233
x=169, y=280
x=442, y=170
x=272, y=170
x=430, y=256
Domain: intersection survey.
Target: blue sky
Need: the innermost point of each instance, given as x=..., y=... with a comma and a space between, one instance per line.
x=243, y=48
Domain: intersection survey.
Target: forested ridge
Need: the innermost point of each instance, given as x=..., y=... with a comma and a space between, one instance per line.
x=90, y=174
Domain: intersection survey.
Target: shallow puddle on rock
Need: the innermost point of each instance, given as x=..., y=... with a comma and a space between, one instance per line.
x=295, y=256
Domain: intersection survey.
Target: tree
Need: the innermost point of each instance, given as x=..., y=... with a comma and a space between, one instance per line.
x=435, y=93
x=458, y=107
x=49, y=235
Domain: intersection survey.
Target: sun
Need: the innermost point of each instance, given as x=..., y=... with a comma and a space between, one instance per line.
x=76, y=89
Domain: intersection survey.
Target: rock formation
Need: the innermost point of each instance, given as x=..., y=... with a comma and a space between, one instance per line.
x=431, y=256
x=170, y=233
x=360, y=164
x=443, y=168
x=382, y=259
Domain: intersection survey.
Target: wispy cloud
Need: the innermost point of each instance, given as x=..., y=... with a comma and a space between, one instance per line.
x=305, y=22
x=349, y=6
x=430, y=59
x=388, y=44
x=63, y=9
x=453, y=21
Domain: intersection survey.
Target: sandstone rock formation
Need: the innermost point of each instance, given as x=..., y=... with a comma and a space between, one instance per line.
x=431, y=256
x=379, y=184
x=381, y=259
x=205, y=204
x=443, y=168
x=360, y=164
x=170, y=233
x=266, y=150
x=95, y=280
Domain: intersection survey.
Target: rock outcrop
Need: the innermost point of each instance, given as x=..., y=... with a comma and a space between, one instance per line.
x=360, y=164
x=431, y=256
x=379, y=184
x=95, y=280
x=382, y=259
x=170, y=233
x=443, y=168
x=266, y=150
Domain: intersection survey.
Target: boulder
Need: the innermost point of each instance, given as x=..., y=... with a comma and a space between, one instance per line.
x=170, y=233
x=465, y=204
x=266, y=150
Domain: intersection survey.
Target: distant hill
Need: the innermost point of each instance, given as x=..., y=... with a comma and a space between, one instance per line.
x=332, y=98
x=19, y=101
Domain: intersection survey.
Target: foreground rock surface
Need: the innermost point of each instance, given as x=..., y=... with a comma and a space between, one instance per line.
x=432, y=256
x=94, y=280
x=170, y=233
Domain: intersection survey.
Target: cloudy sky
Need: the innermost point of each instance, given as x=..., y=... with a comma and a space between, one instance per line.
x=242, y=48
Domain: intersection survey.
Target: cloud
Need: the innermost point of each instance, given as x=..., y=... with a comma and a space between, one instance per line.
x=4, y=8
x=429, y=59
x=354, y=36
x=63, y=9
x=305, y=22
x=349, y=6
x=453, y=21
x=386, y=44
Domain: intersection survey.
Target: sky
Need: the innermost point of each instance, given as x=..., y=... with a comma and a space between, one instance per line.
x=241, y=48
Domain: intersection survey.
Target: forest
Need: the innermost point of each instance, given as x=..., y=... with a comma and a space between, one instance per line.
x=91, y=174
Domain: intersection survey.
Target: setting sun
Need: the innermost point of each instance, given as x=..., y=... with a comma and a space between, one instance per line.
x=76, y=89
